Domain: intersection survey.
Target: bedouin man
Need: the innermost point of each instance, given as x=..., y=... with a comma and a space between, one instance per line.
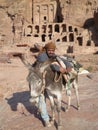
x=46, y=53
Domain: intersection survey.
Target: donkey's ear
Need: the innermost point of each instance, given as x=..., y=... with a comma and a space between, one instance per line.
x=23, y=58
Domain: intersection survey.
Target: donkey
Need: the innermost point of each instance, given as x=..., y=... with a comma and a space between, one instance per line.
x=40, y=78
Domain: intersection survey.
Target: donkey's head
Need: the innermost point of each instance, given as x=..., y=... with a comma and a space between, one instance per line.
x=35, y=85
x=36, y=79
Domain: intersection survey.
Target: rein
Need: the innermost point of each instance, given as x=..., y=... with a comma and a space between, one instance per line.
x=43, y=81
x=56, y=77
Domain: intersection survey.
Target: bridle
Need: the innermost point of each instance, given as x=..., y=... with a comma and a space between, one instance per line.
x=56, y=77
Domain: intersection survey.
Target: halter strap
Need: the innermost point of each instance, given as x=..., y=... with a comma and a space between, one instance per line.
x=43, y=81
x=59, y=77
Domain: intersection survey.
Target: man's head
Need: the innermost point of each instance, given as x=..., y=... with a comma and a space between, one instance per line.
x=50, y=49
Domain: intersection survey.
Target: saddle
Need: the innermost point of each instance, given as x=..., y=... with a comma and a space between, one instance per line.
x=71, y=73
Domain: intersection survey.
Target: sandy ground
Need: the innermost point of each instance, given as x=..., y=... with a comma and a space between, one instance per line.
x=16, y=113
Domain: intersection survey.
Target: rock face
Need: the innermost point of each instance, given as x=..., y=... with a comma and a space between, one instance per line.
x=72, y=23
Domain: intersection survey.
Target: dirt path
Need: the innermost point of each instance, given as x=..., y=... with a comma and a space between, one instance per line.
x=17, y=114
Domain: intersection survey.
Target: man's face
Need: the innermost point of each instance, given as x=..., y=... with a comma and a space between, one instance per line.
x=51, y=52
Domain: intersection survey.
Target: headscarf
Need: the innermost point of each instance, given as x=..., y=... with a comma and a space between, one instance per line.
x=50, y=45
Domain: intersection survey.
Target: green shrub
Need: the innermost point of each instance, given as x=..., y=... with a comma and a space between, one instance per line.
x=90, y=68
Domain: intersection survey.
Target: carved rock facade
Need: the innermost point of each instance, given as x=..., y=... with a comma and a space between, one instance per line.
x=72, y=23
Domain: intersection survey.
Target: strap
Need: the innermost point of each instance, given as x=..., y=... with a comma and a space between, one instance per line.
x=55, y=77
x=43, y=81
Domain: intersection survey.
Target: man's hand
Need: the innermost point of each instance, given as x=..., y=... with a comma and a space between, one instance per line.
x=63, y=70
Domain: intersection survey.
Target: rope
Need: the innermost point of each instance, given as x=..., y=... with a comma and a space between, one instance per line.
x=43, y=81
x=55, y=77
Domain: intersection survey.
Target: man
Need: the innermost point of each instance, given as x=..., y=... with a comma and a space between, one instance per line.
x=46, y=53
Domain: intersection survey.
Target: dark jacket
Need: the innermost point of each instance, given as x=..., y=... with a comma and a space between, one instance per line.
x=42, y=57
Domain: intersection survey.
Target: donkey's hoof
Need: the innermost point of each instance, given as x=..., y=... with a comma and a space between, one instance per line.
x=47, y=124
x=59, y=127
x=78, y=107
x=52, y=122
x=67, y=109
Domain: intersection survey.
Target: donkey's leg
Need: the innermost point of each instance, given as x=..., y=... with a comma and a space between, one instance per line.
x=68, y=93
x=59, y=110
x=75, y=85
x=69, y=102
x=52, y=108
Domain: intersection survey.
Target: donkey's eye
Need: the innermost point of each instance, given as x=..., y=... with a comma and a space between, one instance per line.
x=39, y=82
